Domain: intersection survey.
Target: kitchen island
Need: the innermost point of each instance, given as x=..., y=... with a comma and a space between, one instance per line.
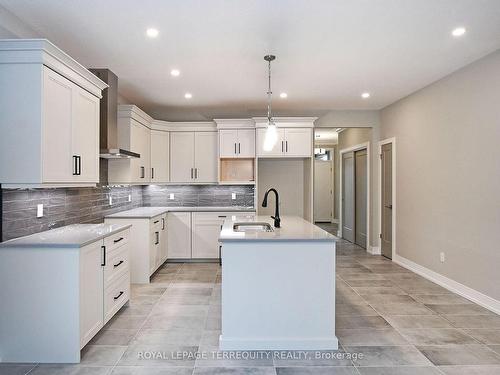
x=278, y=287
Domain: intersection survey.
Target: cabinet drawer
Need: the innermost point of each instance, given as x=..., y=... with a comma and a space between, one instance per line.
x=115, y=296
x=116, y=240
x=117, y=263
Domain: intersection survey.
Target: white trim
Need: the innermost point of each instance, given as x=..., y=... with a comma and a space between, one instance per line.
x=286, y=122
x=235, y=123
x=357, y=147
x=452, y=285
x=380, y=144
x=191, y=126
x=374, y=250
x=134, y=112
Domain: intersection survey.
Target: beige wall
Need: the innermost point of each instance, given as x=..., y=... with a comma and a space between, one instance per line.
x=448, y=175
x=354, y=136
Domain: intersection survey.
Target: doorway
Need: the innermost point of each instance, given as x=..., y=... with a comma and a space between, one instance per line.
x=323, y=190
x=387, y=201
x=354, y=217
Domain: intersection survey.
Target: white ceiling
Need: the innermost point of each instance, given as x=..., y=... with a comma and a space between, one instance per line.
x=328, y=52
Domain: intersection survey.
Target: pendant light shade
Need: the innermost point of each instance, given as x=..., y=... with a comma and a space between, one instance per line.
x=271, y=132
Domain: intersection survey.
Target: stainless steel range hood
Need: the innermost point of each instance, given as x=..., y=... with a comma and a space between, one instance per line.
x=108, y=134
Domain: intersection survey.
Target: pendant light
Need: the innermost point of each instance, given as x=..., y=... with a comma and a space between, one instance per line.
x=271, y=133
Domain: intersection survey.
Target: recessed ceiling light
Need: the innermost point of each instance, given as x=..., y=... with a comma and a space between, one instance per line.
x=188, y=95
x=283, y=95
x=459, y=31
x=365, y=95
x=175, y=72
x=152, y=32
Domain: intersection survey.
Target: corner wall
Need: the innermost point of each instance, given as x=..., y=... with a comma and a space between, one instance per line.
x=448, y=175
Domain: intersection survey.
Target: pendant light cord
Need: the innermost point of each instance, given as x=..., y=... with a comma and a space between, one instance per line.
x=269, y=94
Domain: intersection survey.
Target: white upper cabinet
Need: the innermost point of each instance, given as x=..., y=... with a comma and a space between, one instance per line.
x=160, y=154
x=182, y=157
x=134, y=134
x=49, y=111
x=237, y=143
x=277, y=150
x=291, y=142
x=193, y=157
x=205, y=156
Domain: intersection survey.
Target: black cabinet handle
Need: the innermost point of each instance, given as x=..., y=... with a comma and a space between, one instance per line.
x=223, y=216
x=162, y=223
x=220, y=255
x=103, y=256
x=157, y=234
x=143, y=172
x=79, y=165
x=235, y=148
x=196, y=173
x=118, y=296
x=191, y=173
x=75, y=165
x=152, y=173
x=117, y=264
x=118, y=240
x=156, y=222
x=286, y=143
x=239, y=148
x=282, y=146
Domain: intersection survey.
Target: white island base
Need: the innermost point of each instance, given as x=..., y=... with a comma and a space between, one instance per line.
x=278, y=295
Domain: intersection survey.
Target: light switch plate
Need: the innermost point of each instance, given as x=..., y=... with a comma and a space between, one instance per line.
x=39, y=210
x=171, y=196
x=233, y=196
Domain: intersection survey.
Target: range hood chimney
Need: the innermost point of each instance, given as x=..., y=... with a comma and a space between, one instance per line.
x=108, y=134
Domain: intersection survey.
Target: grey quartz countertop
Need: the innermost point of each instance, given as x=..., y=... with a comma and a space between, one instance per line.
x=70, y=236
x=293, y=228
x=150, y=212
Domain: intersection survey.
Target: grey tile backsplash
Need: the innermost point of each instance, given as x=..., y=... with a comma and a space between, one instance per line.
x=198, y=195
x=64, y=206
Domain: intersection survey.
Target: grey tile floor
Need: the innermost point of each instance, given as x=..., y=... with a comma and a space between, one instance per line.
x=399, y=322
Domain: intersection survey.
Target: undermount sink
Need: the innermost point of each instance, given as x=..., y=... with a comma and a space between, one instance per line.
x=253, y=227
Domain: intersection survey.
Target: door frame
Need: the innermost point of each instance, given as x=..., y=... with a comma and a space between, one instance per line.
x=332, y=203
x=361, y=146
x=380, y=144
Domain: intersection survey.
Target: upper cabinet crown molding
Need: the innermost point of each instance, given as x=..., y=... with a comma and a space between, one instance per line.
x=239, y=123
x=187, y=126
x=286, y=122
x=44, y=52
x=131, y=111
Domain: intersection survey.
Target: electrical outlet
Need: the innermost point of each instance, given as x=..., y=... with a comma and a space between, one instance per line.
x=171, y=196
x=442, y=257
x=39, y=210
x=110, y=200
x=233, y=196
x=130, y=198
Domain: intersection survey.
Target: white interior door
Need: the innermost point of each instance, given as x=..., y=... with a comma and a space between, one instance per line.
x=228, y=143
x=205, y=156
x=348, y=194
x=361, y=185
x=58, y=163
x=181, y=156
x=323, y=191
x=386, y=184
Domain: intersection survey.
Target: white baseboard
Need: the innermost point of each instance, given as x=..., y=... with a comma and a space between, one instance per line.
x=452, y=285
x=374, y=250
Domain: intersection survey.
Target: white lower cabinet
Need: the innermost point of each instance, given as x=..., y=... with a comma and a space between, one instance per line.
x=179, y=235
x=148, y=243
x=206, y=230
x=70, y=294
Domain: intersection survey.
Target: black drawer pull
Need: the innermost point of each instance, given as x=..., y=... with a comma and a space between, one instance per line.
x=118, y=240
x=157, y=221
x=117, y=264
x=118, y=296
x=223, y=216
